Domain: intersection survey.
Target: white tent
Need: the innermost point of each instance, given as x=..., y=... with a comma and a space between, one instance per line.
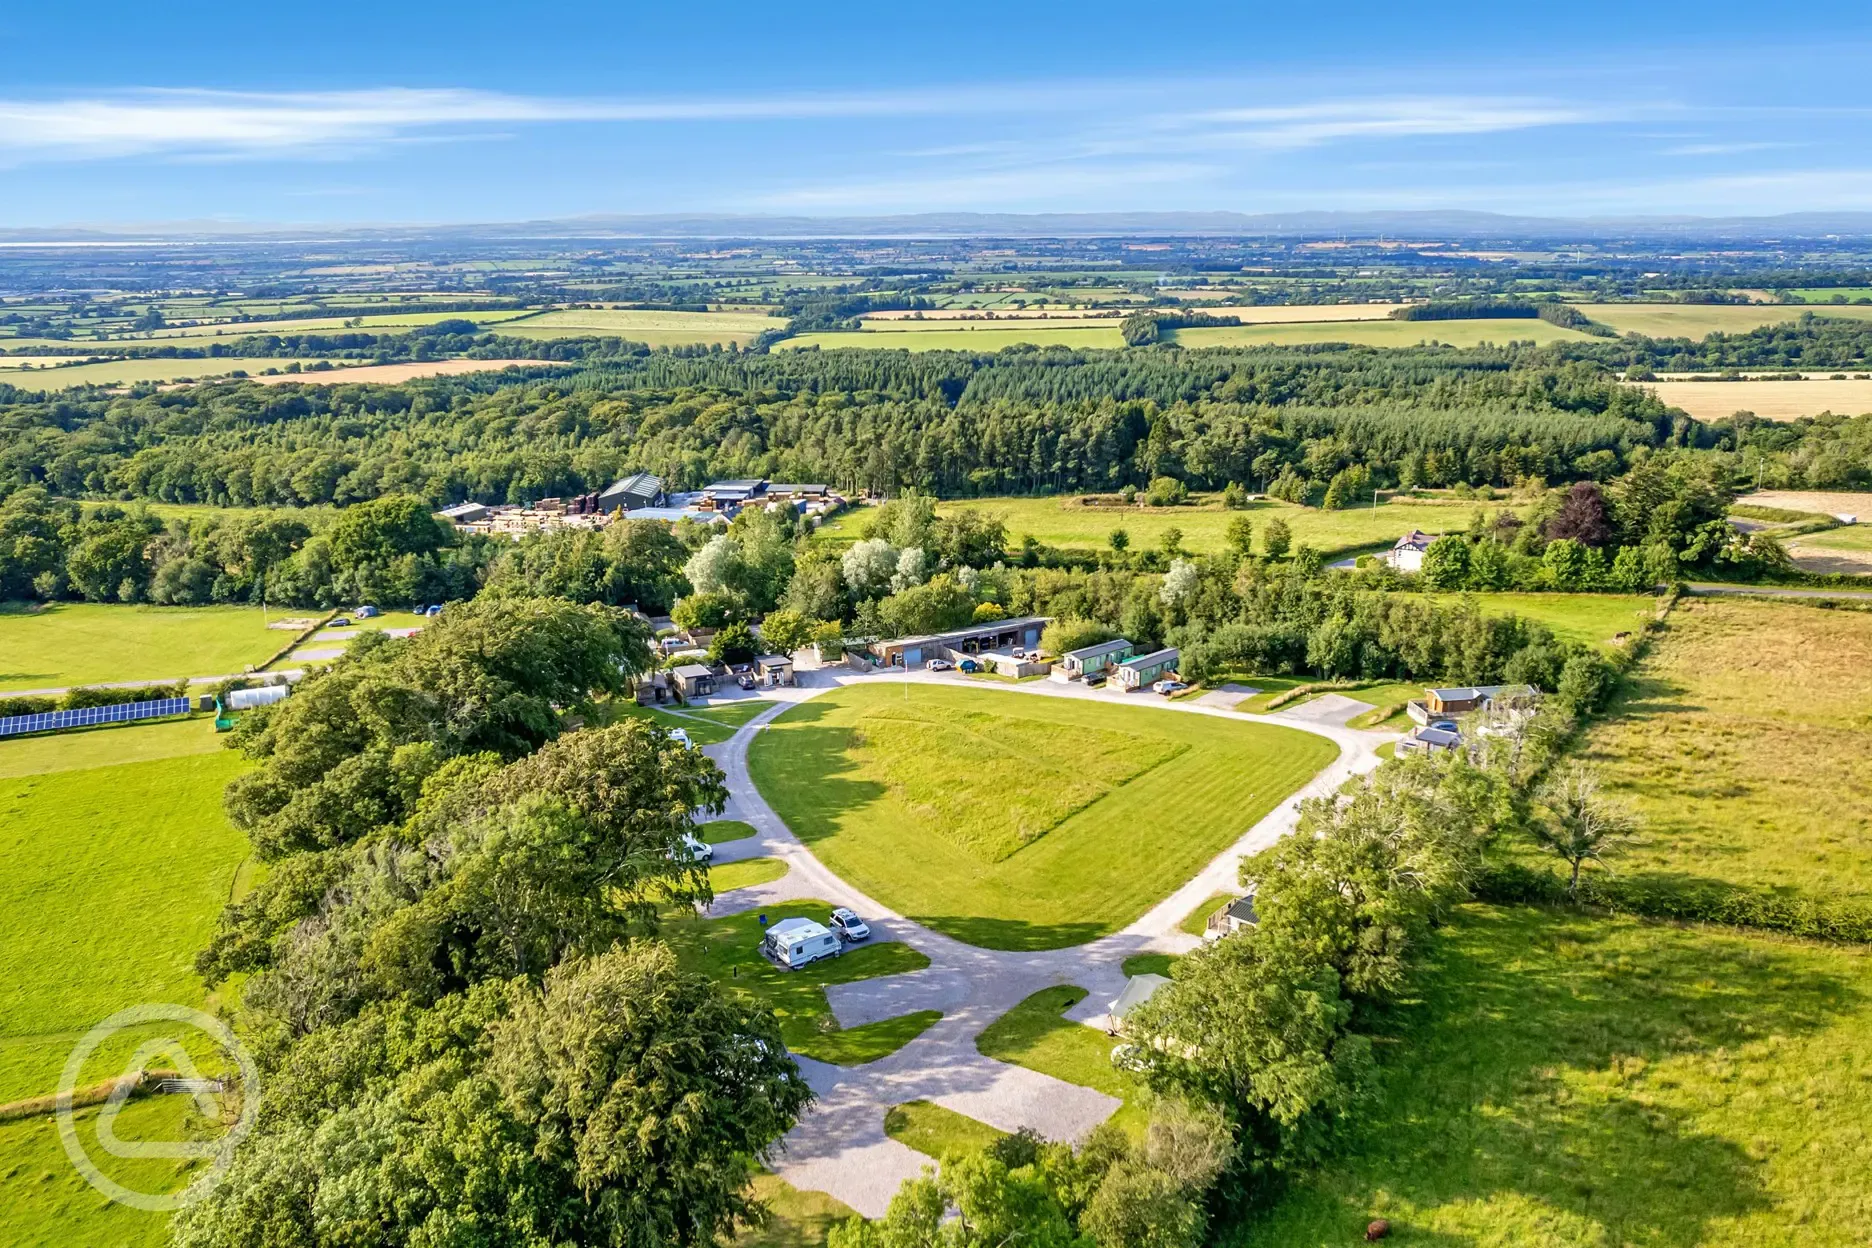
x=1137, y=990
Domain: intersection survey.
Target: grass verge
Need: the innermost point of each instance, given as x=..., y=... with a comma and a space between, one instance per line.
x=1035, y=1035
x=937, y=1132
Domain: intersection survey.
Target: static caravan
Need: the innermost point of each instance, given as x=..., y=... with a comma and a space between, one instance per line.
x=794, y=943
x=1090, y=660
x=1142, y=672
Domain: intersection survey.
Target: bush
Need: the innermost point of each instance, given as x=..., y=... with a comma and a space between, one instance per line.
x=1166, y=492
x=1819, y=918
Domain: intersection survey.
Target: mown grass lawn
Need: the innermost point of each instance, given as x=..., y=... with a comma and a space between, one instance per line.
x=85, y=643
x=937, y=1132
x=745, y=874
x=706, y=725
x=108, y=745
x=1742, y=741
x=727, y=950
x=1035, y=1035
x=1017, y=821
x=720, y=831
x=113, y=879
x=1564, y=1079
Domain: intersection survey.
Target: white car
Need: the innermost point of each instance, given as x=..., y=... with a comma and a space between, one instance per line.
x=940, y=665
x=847, y=925
x=1168, y=687
x=681, y=737
x=693, y=848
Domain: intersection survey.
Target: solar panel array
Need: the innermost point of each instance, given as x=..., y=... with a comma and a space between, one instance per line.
x=85, y=717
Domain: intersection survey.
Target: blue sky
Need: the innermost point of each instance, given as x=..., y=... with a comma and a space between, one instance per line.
x=344, y=112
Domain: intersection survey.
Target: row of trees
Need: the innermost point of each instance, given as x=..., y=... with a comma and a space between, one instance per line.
x=465, y=1028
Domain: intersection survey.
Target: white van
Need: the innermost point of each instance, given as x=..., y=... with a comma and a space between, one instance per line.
x=794, y=943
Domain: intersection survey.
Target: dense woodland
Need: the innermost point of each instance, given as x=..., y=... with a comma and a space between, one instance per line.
x=949, y=424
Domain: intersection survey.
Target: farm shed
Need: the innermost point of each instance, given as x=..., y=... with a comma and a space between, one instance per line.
x=1140, y=672
x=631, y=493
x=914, y=652
x=465, y=513
x=1087, y=660
x=775, y=669
x=693, y=680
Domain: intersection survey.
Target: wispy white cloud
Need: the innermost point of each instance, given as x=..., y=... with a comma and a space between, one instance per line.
x=245, y=124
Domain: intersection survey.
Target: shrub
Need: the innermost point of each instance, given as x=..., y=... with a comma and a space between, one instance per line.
x=1166, y=492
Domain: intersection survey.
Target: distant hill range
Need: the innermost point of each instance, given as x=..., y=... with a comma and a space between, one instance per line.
x=1439, y=225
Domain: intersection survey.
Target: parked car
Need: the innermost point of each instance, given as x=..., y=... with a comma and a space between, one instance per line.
x=1168, y=687
x=848, y=926
x=681, y=737
x=1095, y=678
x=419, y=609
x=339, y=622
x=693, y=849
x=1445, y=725
x=744, y=680
x=941, y=665
x=434, y=610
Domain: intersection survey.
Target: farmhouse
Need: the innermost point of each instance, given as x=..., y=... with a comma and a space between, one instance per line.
x=1140, y=672
x=693, y=680
x=1231, y=918
x=1407, y=555
x=632, y=493
x=1463, y=699
x=1087, y=660
x=978, y=639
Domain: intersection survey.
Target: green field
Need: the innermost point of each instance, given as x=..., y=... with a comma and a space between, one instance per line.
x=1094, y=335
x=1065, y=521
x=1852, y=537
x=81, y=643
x=1013, y=821
x=1741, y=740
x=720, y=830
x=1565, y=1080
x=799, y=1219
x=1386, y=333
x=728, y=950
x=706, y=725
x=114, y=876
x=1697, y=320
x=1035, y=1035
x=49, y=1205
x=1590, y=619
x=656, y=329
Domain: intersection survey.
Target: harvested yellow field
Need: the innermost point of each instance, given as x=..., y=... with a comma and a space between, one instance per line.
x=1819, y=502
x=1770, y=400
x=1380, y=333
x=656, y=329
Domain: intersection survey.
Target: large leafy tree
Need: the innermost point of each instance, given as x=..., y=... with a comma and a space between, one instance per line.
x=619, y=1102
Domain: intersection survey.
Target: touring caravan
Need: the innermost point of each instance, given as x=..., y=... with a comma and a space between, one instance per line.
x=794, y=943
